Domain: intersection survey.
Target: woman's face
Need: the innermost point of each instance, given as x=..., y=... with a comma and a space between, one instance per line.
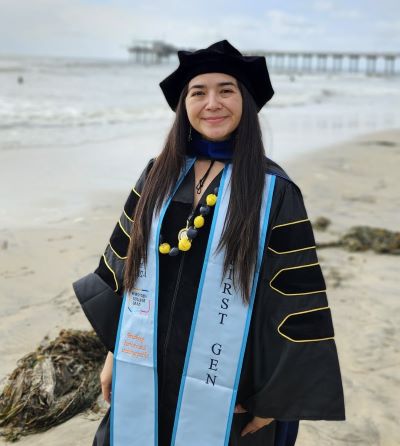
x=214, y=105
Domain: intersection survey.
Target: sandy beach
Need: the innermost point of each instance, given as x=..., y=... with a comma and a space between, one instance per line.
x=351, y=183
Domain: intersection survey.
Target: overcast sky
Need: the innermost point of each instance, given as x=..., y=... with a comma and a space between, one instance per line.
x=104, y=28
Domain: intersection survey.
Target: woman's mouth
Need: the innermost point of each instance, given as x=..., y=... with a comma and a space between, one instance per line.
x=215, y=120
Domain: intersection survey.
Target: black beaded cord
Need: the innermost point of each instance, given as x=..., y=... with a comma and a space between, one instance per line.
x=190, y=231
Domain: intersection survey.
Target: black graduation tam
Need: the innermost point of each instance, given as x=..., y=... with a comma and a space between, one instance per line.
x=220, y=57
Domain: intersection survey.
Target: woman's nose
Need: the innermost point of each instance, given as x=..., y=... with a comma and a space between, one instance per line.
x=212, y=101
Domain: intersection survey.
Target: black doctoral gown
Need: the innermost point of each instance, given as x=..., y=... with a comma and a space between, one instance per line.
x=290, y=369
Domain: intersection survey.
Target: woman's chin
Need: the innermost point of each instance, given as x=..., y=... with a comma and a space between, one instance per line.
x=215, y=136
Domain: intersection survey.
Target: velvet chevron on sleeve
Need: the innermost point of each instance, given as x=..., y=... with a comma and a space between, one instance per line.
x=112, y=262
x=296, y=374
x=100, y=293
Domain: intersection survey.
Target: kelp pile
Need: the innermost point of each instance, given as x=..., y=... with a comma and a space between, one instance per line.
x=52, y=384
x=321, y=223
x=363, y=238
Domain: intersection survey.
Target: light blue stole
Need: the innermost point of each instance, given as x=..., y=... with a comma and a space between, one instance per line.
x=215, y=349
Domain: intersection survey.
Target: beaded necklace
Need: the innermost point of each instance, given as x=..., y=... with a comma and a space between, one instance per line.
x=189, y=232
x=199, y=147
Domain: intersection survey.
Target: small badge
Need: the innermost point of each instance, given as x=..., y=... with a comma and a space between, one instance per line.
x=139, y=302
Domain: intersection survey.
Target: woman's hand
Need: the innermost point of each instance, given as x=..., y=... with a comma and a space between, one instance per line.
x=255, y=424
x=106, y=377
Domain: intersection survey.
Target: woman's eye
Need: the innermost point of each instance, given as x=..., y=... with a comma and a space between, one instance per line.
x=197, y=93
x=227, y=91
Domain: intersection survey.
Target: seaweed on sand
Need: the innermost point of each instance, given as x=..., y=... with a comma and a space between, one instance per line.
x=363, y=238
x=52, y=384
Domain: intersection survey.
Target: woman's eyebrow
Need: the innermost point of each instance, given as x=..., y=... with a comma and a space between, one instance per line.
x=220, y=84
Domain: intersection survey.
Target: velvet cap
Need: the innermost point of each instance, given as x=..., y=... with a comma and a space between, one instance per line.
x=220, y=57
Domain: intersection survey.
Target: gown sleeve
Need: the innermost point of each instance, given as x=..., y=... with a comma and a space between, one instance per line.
x=100, y=292
x=295, y=371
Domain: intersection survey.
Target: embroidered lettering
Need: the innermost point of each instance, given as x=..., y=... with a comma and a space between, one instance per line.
x=224, y=304
x=211, y=379
x=213, y=363
x=230, y=274
x=133, y=336
x=216, y=348
x=142, y=269
x=225, y=300
x=134, y=346
x=227, y=287
x=222, y=318
x=137, y=354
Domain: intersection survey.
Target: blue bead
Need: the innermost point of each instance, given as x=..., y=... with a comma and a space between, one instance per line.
x=192, y=232
x=204, y=210
x=174, y=251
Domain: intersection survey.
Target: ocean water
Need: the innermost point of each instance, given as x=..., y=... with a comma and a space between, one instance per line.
x=66, y=102
x=73, y=128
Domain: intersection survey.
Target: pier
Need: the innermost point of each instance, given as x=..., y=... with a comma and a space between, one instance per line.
x=296, y=62
x=384, y=63
x=151, y=51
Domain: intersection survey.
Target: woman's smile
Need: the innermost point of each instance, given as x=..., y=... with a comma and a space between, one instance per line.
x=214, y=120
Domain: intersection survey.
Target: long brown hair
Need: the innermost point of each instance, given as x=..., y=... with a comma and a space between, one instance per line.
x=241, y=228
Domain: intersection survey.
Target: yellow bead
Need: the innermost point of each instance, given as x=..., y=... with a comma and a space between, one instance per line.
x=184, y=244
x=164, y=248
x=198, y=221
x=211, y=199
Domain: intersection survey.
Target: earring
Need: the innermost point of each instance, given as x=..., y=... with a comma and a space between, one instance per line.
x=190, y=134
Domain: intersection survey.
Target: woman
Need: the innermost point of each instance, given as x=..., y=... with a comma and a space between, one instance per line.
x=224, y=334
